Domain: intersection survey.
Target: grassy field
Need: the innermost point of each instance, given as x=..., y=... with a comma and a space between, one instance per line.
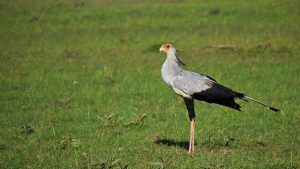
x=81, y=85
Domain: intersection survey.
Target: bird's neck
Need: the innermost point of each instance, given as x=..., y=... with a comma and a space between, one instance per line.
x=172, y=64
x=173, y=59
x=170, y=69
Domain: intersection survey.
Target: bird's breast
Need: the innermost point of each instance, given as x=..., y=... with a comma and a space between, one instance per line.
x=167, y=78
x=169, y=71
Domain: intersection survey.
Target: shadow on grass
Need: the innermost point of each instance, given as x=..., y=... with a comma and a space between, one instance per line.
x=168, y=142
x=185, y=144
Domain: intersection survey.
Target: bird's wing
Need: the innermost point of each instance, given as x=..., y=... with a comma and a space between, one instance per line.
x=204, y=88
x=190, y=83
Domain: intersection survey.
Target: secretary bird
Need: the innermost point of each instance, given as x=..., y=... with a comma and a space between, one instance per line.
x=191, y=85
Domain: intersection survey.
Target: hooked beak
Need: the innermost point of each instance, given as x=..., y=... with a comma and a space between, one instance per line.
x=161, y=49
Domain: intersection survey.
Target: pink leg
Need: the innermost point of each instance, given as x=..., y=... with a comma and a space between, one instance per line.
x=192, y=134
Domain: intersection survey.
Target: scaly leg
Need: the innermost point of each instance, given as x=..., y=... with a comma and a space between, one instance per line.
x=192, y=137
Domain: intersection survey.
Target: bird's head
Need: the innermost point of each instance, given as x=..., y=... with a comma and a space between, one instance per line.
x=167, y=48
x=171, y=52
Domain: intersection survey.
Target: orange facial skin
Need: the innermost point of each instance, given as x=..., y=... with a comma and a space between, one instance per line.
x=165, y=47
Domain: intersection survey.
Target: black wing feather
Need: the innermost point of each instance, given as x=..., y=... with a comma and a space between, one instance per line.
x=220, y=95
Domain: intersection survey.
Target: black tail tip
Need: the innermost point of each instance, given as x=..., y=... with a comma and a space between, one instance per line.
x=274, y=109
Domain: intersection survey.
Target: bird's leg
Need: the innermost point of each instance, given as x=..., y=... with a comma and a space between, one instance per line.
x=192, y=137
x=189, y=103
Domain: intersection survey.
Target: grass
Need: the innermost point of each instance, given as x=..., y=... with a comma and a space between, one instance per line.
x=81, y=86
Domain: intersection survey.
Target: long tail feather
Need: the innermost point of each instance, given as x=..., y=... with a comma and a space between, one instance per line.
x=254, y=100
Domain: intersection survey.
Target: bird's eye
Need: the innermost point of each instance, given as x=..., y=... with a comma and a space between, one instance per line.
x=168, y=46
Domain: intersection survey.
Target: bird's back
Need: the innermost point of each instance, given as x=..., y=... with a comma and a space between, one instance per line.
x=186, y=82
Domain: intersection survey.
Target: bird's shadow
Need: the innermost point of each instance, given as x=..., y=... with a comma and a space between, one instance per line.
x=174, y=143
x=207, y=144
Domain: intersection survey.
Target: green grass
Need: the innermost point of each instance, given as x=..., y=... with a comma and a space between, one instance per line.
x=81, y=85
